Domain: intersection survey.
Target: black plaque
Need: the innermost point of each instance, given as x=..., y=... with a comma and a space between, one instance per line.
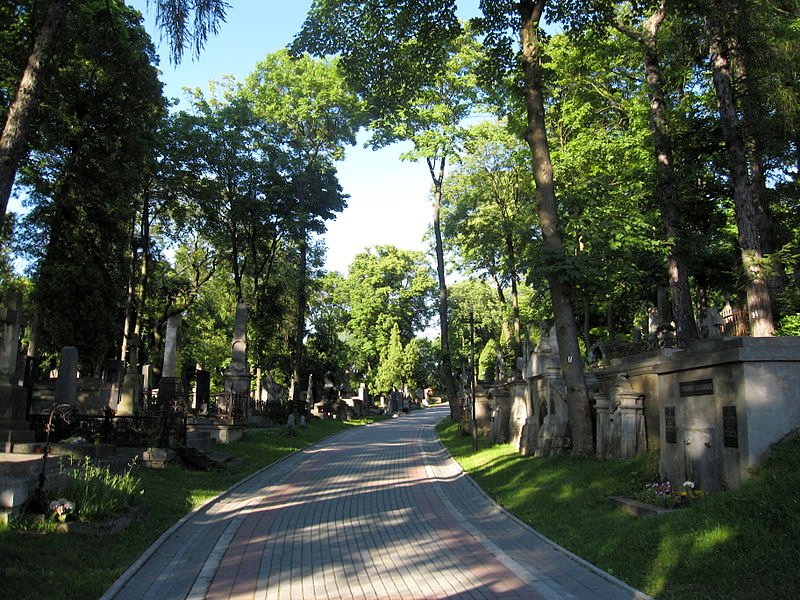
x=669, y=425
x=700, y=387
x=730, y=427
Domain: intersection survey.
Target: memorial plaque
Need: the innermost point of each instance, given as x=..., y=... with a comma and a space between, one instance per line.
x=730, y=427
x=669, y=425
x=701, y=387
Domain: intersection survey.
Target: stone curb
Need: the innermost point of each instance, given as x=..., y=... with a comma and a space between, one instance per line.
x=123, y=579
x=638, y=595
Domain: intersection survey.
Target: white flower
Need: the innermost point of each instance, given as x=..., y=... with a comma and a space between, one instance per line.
x=689, y=485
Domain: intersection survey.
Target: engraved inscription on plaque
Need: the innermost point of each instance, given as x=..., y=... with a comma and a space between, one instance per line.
x=669, y=425
x=700, y=387
x=730, y=427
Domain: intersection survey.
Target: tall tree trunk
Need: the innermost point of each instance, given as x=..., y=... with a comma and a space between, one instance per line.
x=138, y=281
x=685, y=325
x=677, y=271
x=759, y=307
x=577, y=397
x=751, y=108
x=512, y=273
x=501, y=296
x=444, y=323
x=300, y=323
x=15, y=130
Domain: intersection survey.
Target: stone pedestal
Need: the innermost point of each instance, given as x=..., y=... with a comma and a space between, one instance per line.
x=501, y=413
x=629, y=419
x=13, y=397
x=169, y=389
x=130, y=390
x=601, y=405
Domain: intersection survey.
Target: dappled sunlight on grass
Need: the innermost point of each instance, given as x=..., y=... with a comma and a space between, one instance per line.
x=739, y=544
x=706, y=541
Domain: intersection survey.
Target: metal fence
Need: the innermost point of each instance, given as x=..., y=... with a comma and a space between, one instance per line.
x=736, y=323
x=138, y=430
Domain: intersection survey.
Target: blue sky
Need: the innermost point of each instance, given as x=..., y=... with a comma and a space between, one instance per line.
x=389, y=199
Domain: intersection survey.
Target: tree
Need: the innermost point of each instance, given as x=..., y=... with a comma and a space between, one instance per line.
x=419, y=99
x=759, y=307
x=93, y=136
x=309, y=102
x=173, y=18
x=391, y=372
x=229, y=165
x=488, y=216
x=666, y=184
x=526, y=17
x=597, y=113
x=432, y=122
x=385, y=286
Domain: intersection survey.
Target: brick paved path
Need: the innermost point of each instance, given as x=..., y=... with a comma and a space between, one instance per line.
x=375, y=512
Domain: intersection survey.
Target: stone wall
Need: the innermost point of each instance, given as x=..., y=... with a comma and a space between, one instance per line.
x=724, y=404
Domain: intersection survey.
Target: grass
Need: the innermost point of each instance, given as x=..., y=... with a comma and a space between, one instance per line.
x=58, y=566
x=741, y=544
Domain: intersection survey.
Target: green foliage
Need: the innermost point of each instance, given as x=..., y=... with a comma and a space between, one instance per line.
x=388, y=51
x=391, y=372
x=386, y=287
x=487, y=362
x=488, y=211
x=92, y=136
x=309, y=100
x=789, y=325
x=98, y=493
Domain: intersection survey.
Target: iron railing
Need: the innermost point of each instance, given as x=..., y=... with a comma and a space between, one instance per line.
x=138, y=430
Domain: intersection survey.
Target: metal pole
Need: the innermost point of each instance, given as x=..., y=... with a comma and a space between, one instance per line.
x=472, y=375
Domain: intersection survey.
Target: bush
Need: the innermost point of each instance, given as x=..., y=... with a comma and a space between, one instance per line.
x=789, y=325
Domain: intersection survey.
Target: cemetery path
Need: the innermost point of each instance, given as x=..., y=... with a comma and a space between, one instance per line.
x=380, y=512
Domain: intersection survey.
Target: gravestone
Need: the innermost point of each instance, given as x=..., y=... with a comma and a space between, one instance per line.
x=169, y=386
x=309, y=393
x=67, y=382
x=202, y=392
x=711, y=323
x=147, y=378
x=13, y=396
x=130, y=389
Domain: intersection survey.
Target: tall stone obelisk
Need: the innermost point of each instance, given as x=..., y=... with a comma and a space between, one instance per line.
x=236, y=378
x=169, y=386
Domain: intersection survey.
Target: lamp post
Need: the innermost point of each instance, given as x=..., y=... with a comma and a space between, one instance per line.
x=472, y=375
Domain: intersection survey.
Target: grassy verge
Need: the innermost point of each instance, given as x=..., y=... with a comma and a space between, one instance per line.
x=741, y=544
x=56, y=566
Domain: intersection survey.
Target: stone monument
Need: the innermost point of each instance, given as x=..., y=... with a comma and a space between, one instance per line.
x=67, y=382
x=169, y=386
x=131, y=387
x=13, y=397
x=236, y=378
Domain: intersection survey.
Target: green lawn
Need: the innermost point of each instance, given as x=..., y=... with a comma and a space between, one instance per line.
x=729, y=545
x=56, y=566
